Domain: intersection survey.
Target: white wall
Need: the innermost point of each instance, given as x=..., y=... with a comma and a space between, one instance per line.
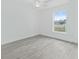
x=21, y=20
x=45, y=17
x=18, y=20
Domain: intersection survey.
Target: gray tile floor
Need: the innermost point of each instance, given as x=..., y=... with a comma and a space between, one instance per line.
x=39, y=47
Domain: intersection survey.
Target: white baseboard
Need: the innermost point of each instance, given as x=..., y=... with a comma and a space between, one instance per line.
x=7, y=42
x=58, y=39
x=39, y=35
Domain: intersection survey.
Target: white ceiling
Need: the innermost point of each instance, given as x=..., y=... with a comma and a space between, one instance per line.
x=48, y=3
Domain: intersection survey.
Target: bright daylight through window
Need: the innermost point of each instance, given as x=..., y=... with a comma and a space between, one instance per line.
x=59, y=20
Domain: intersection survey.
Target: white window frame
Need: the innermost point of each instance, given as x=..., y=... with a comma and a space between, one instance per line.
x=53, y=17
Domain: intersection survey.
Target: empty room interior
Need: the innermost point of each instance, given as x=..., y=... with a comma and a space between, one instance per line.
x=39, y=29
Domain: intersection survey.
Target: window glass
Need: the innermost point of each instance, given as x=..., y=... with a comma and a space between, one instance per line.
x=60, y=19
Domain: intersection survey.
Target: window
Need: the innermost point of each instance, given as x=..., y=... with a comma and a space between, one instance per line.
x=60, y=19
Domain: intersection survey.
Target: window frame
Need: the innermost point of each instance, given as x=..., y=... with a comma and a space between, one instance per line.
x=53, y=27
